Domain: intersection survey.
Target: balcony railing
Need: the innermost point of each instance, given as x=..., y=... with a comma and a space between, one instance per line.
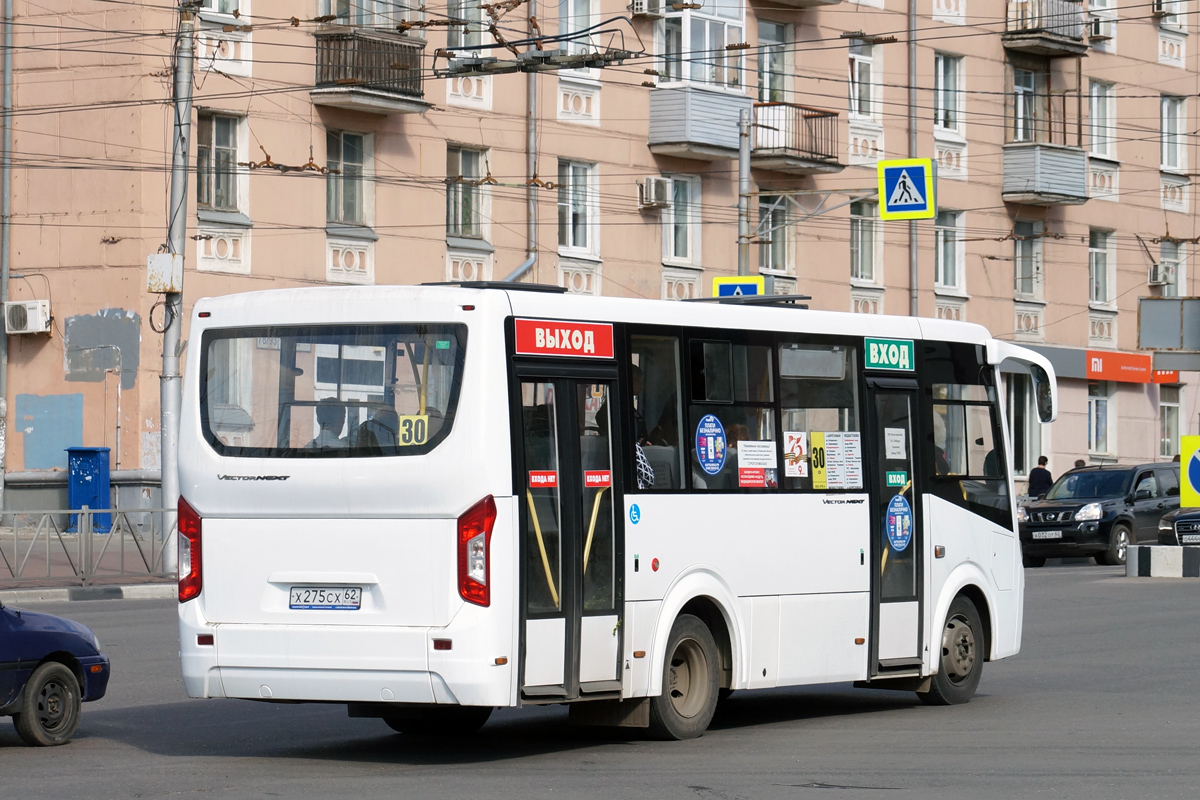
x=1060, y=21
x=794, y=130
x=378, y=66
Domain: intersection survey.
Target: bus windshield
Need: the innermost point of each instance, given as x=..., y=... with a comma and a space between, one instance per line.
x=345, y=391
x=1099, y=483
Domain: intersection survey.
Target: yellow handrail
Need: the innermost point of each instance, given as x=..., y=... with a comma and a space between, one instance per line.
x=587, y=548
x=537, y=529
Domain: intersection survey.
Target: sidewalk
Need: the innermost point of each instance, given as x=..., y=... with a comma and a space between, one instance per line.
x=26, y=593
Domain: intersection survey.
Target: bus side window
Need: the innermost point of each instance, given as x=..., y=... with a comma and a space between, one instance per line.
x=731, y=420
x=658, y=415
x=818, y=393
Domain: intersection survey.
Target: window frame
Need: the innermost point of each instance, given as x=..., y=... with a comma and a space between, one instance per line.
x=1168, y=445
x=207, y=173
x=774, y=255
x=1102, y=141
x=1034, y=242
x=590, y=198
x=384, y=14
x=470, y=35
x=1105, y=398
x=690, y=223
x=1104, y=251
x=678, y=34
x=863, y=100
x=1177, y=259
x=336, y=184
x=772, y=82
x=1173, y=141
x=864, y=227
x=940, y=230
x=461, y=188
x=947, y=100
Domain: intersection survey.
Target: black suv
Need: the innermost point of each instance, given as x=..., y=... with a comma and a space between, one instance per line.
x=1098, y=511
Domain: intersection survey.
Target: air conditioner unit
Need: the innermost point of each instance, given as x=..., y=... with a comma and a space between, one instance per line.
x=1099, y=29
x=1161, y=275
x=27, y=316
x=648, y=9
x=655, y=192
x=1160, y=8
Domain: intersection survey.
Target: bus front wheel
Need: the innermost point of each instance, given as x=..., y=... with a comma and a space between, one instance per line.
x=438, y=720
x=961, y=662
x=689, y=688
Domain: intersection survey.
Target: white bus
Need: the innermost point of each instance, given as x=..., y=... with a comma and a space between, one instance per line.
x=429, y=502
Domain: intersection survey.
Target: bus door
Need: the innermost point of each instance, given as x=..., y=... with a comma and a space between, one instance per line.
x=571, y=580
x=896, y=539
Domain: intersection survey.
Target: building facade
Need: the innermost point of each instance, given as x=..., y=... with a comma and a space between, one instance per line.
x=333, y=143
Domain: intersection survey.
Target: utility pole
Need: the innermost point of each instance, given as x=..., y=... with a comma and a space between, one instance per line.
x=744, y=192
x=913, y=261
x=5, y=234
x=170, y=386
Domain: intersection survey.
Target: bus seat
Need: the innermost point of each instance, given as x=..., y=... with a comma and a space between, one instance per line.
x=664, y=460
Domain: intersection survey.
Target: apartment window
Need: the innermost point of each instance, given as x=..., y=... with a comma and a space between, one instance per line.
x=1026, y=431
x=1172, y=132
x=1099, y=402
x=772, y=41
x=863, y=216
x=681, y=222
x=862, y=101
x=346, y=158
x=469, y=31
x=1173, y=11
x=1170, y=266
x=1168, y=420
x=947, y=90
x=577, y=207
x=1099, y=267
x=1101, y=109
x=1024, y=105
x=372, y=13
x=707, y=31
x=464, y=195
x=948, y=254
x=216, y=162
x=575, y=16
x=220, y=6
x=772, y=232
x=1027, y=258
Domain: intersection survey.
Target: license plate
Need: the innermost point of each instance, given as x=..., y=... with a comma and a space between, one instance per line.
x=1047, y=534
x=1189, y=538
x=332, y=598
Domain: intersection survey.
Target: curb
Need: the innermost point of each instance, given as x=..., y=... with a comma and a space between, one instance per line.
x=1162, y=561
x=145, y=591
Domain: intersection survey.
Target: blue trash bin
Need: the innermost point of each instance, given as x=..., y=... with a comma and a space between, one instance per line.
x=89, y=484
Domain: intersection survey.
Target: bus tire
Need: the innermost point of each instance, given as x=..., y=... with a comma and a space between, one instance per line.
x=689, y=687
x=961, y=661
x=438, y=720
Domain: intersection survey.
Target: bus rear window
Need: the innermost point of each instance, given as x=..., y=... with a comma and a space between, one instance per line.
x=345, y=391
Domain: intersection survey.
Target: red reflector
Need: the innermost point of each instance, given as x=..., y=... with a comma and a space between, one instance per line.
x=204, y=639
x=442, y=644
x=204, y=314
x=96, y=668
x=468, y=308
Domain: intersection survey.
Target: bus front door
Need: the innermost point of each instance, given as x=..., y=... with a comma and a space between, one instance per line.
x=897, y=540
x=571, y=584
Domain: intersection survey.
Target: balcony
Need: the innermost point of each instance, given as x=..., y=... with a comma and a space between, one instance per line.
x=795, y=139
x=1046, y=27
x=370, y=71
x=776, y=4
x=694, y=122
x=1039, y=174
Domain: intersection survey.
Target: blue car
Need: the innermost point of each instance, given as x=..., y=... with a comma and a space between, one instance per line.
x=48, y=666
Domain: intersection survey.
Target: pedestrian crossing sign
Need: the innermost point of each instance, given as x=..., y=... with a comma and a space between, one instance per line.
x=906, y=189
x=739, y=286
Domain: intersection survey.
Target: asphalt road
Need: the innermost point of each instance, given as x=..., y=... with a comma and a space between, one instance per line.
x=1103, y=702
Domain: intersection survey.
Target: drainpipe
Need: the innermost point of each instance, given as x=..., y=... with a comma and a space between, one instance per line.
x=913, y=265
x=531, y=223
x=5, y=233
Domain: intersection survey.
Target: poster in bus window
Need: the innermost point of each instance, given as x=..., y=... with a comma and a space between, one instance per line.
x=710, y=444
x=757, y=465
x=795, y=454
x=898, y=523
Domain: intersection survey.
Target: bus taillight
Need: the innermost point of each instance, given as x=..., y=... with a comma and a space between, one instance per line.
x=474, y=558
x=190, y=581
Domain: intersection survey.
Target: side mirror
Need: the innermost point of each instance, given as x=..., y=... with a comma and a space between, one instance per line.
x=1042, y=496
x=1041, y=392
x=1142, y=494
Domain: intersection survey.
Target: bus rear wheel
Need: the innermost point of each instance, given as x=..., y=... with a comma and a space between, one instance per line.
x=689, y=689
x=438, y=720
x=961, y=662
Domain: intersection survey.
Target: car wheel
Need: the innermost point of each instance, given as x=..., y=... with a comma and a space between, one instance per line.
x=1118, y=546
x=438, y=721
x=1033, y=561
x=689, y=687
x=49, y=706
x=961, y=662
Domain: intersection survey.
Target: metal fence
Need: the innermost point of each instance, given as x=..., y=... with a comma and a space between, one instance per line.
x=373, y=61
x=796, y=130
x=70, y=546
x=1058, y=17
